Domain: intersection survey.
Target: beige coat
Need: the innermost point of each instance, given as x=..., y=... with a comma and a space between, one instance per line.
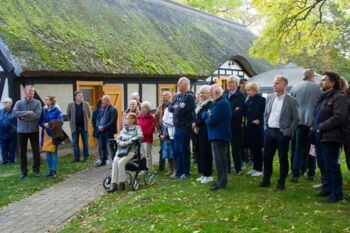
x=71, y=115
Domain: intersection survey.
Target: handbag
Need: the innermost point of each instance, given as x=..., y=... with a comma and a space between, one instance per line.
x=123, y=151
x=48, y=145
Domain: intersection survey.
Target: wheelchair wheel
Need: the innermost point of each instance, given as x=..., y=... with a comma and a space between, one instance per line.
x=135, y=185
x=129, y=178
x=150, y=178
x=107, y=182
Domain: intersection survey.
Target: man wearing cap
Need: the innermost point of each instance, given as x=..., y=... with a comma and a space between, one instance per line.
x=7, y=132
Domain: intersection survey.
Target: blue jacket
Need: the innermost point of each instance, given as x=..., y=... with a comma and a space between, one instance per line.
x=7, y=124
x=237, y=102
x=94, y=120
x=254, y=108
x=218, y=120
x=107, y=118
x=183, y=113
x=48, y=115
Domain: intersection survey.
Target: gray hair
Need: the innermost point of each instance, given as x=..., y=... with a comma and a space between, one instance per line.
x=233, y=78
x=147, y=105
x=7, y=100
x=308, y=74
x=217, y=88
x=283, y=78
x=106, y=97
x=132, y=101
x=135, y=94
x=253, y=86
x=205, y=88
x=186, y=81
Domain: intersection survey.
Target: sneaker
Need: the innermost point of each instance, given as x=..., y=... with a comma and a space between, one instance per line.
x=317, y=186
x=200, y=178
x=98, y=162
x=206, y=179
x=256, y=173
x=238, y=173
x=251, y=172
x=173, y=176
x=184, y=177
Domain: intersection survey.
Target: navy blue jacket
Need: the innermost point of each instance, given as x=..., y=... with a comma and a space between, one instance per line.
x=107, y=118
x=8, y=124
x=254, y=108
x=94, y=120
x=237, y=102
x=183, y=113
x=218, y=120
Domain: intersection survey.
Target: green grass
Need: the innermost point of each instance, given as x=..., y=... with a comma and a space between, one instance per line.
x=187, y=206
x=13, y=189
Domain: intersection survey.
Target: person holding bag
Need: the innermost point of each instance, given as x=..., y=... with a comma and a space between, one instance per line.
x=51, y=123
x=127, y=149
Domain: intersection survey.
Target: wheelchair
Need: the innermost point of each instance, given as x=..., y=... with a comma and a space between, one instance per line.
x=134, y=169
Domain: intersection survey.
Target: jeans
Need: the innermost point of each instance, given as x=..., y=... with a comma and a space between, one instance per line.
x=219, y=151
x=84, y=137
x=275, y=140
x=52, y=160
x=23, y=143
x=8, y=149
x=105, y=147
x=182, y=151
x=333, y=177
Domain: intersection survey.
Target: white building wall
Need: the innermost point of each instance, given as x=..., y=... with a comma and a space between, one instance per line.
x=228, y=65
x=149, y=93
x=5, y=93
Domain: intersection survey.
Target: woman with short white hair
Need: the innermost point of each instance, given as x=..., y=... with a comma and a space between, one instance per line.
x=132, y=107
x=147, y=123
x=8, y=136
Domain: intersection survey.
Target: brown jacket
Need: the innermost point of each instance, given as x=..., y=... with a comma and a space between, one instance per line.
x=71, y=115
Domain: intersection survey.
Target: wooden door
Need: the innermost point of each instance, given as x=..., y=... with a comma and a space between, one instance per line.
x=92, y=91
x=165, y=87
x=222, y=81
x=115, y=91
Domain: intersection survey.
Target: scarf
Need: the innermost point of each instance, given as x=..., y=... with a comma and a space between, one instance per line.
x=202, y=104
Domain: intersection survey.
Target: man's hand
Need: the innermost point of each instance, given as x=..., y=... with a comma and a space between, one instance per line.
x=100, y=128
x=256, y=122
x=30, y=113
x=46, y=125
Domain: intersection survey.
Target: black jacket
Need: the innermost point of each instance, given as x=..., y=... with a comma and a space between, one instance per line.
x=183, y=113
x=237, y=102
x=107, y=118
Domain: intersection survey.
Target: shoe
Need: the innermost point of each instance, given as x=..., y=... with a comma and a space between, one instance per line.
x=23, y=175
x=265, y=184
x=295, y=179
x=184, y=177
x=102, y=164
x=3, y=163
x=331, y=199
x=49, y=174
x=54, y=174
x=323, y=194
x=75, y=161
x=200, y=178
x=206, y=179
x=85, y=159
x=317, y=186
x=238, y=173
x=113, y=188
x=256, y=173
x=216, y=188
x=251, y=172
x=173, y=176
x=99, y=161
x=121, y=186
x=37, y=174
x=280, y=187
x=311, y=178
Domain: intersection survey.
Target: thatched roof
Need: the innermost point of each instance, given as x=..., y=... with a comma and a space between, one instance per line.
x=152, y=37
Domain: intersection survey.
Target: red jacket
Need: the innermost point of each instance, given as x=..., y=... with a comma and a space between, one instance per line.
x=148, y=125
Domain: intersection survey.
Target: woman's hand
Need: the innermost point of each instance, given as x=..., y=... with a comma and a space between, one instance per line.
x=46, y=125
x=256, y=122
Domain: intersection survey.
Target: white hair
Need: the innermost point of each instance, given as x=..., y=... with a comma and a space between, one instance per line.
x=147, y=105
x=132, y=101
x=205, y=88
x=233, y=78
x=7, y=100
x=135, y=94
x=106, y=97
x=217, y=89
x=186, y=81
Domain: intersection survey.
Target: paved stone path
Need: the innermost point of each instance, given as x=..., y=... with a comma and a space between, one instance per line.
x=46, y=210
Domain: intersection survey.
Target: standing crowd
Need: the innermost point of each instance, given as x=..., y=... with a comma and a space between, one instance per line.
x=236, y=126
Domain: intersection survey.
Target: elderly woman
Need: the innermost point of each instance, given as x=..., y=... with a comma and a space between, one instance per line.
x=254, y=108
x=147, y=123
x=132, y=107
x=167, y=141
x=130, y=134
x=8, y=139
x=205, y=158
x=51, y=122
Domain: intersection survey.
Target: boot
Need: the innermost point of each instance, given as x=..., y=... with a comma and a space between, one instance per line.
x=113, y=188
x=121, y=186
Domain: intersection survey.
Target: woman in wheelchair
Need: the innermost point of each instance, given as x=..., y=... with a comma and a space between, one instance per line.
x=127, y=149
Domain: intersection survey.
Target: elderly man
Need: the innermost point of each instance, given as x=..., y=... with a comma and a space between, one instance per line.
x=28, y=112
x=183, y=108
x=218, y=121
x=281, y=118
x=166, y=98
x=79, y=114
x=236, y=99
x=135, y=96
x=7, y=132
x=107, y=126
x=306, y=93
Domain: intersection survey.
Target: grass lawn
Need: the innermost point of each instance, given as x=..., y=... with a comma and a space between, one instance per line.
x=187, y=206
x=13, y=189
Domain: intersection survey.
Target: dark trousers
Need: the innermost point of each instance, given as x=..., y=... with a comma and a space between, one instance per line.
x=347, y=153
x=105, y=146
x=182, y=151
x=84, y=138
x=161, y=166
x=301, y=160
x=219, y=152
x=330, y=153
x=257, y=158
x=8, y=149
x=205, y=160
x=23, y=143
x=275, y=140
x=236, y=155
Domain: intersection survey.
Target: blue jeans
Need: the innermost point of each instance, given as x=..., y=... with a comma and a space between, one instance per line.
x=52, y=160
x=8, y=149
x=330, y=153
x=84, y=137
x=182, y=151
x=105, y=146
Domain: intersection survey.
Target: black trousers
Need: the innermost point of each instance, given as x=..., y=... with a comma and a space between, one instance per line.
x=275, y=140
x=219, y=151
x=257, y=158
x=236, y=155
x=23, y=143
x=347, y=154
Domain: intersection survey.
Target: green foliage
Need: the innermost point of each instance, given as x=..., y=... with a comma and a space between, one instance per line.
x=187, y=206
